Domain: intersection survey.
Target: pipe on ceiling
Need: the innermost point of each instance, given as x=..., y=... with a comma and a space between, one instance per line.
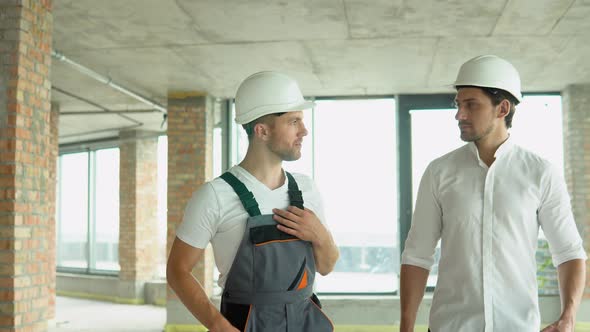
x=118, y=129
x=107, y=80
x=104, y=109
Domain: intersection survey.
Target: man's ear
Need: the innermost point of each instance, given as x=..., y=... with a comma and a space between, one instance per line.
x=503, y=108
x=261, y=130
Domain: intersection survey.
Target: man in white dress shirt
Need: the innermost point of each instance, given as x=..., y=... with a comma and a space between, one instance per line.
x=485, y=201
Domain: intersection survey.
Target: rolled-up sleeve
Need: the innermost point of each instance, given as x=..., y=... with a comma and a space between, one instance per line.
x=557, y=221
x=426, y=225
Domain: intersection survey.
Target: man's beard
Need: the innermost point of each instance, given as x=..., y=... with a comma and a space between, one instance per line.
x=474, y=137
x=286, y=154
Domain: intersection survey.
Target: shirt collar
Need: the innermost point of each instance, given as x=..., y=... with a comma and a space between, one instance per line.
x=503, y=149
x=473, y=149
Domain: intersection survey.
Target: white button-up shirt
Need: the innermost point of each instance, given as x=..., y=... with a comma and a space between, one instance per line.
x=488, y=219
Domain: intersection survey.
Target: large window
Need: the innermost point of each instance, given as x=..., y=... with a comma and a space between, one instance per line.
x=355, y=162
x=536, y=126
x=88, y=206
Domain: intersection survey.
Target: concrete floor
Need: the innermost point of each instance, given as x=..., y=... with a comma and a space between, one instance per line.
x=80, y=315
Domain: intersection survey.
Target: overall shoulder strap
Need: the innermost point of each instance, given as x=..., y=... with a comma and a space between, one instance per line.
x=295, y=195
x=246, y=196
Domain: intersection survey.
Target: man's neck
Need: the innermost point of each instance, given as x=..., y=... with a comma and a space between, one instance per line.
x=267, y=169
x=488, y=146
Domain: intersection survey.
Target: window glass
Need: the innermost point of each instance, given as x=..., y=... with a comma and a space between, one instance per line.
x=73, y=223
x=106, y=246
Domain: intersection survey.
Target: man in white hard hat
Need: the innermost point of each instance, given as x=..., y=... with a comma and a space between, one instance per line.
x=485, y=201
x=266, y=226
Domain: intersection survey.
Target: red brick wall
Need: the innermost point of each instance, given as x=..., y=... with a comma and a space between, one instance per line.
x=138, y=230
x=576, y=131
x=190, y=164
x=26, y=242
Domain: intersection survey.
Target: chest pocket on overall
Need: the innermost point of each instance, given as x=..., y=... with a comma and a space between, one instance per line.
x=270, y=284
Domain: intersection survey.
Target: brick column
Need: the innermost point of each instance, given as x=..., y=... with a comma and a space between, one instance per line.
x=576, y=131
x=190, y=164
x=26, y=245
x=138, y=229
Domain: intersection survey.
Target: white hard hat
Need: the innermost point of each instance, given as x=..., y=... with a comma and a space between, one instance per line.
x=490, y=71
x=268, y=92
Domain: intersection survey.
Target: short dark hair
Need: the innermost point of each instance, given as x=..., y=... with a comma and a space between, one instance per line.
x=497, y=95
x=249, y=127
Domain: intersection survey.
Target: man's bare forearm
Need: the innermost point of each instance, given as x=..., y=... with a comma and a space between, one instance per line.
x=326, y=254
x=572, y=278
x=193, y=296
x=181, y=261
x=412, y=284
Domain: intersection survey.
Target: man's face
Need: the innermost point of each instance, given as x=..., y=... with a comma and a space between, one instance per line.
x=476, y=115
x=286, y=135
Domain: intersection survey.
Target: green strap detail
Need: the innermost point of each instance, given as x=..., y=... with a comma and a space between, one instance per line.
x=248, y=200
x=246, y=196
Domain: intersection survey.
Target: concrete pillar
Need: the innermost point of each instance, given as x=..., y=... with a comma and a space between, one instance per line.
x=27, y=252
x=576, y=131
x=138, y=229
x=190, y=164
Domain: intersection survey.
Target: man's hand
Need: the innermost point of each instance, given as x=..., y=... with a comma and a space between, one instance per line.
x=562, y=325
x=223, y=326
x=303, y=224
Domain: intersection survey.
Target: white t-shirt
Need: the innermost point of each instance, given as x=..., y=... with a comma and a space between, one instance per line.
x=215, y=214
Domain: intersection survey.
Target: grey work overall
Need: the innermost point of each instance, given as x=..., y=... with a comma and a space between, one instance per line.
x=270, y=284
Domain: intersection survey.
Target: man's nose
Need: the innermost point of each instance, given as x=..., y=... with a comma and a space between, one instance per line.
x=304, y=131
x=460, y=115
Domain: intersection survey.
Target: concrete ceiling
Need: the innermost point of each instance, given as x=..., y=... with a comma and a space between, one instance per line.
x=331, y=47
